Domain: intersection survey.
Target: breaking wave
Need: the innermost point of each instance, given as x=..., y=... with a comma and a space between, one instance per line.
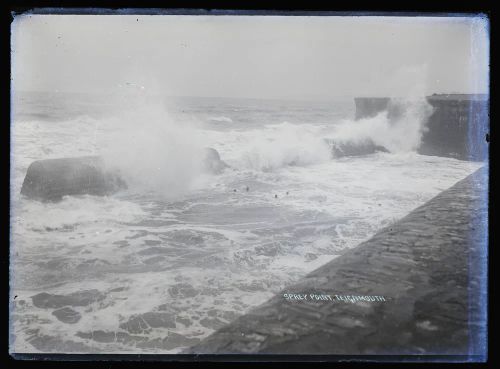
x=398, y=129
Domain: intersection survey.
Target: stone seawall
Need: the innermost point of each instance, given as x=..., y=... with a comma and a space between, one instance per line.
x=457, y=127
x=428, y=270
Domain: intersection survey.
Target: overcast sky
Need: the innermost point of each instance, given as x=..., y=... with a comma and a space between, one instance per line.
x=251, y=56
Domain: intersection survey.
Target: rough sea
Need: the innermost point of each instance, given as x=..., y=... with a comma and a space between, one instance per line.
x=179, y=254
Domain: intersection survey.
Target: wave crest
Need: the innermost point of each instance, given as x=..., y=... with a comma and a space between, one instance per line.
x=284, y=145
x=398, y=129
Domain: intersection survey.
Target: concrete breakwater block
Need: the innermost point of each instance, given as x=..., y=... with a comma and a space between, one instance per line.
x=52, y=179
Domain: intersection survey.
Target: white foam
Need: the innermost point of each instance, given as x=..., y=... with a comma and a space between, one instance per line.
x=221, y=119
x=397, y=134
x=154, y=152
x=273, y=146
x=89, y=209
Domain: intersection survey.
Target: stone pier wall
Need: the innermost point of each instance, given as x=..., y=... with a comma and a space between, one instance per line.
x=429, y=269
x=457, y=127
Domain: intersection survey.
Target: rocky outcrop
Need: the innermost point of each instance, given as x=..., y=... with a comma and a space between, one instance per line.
x=417, y=287
x=51, y=179
x=212, y=162
x=340, y=149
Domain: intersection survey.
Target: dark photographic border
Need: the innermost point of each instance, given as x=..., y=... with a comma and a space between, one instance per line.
x=109, y=8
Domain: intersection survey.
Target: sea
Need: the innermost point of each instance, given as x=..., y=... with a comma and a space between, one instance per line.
x=180, y=253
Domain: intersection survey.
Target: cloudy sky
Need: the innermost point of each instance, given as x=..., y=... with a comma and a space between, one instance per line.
x=251, y=56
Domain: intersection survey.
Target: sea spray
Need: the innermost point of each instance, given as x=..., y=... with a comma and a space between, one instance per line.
x=282, y=145
x=399, y=128
x=154, y=152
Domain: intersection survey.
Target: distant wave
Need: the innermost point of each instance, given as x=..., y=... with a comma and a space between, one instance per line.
x=220, y=119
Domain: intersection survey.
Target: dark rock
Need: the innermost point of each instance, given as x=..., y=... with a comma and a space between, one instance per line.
x=51, y=179
x=341, y=149
x=212, y=161
x=67, y=315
